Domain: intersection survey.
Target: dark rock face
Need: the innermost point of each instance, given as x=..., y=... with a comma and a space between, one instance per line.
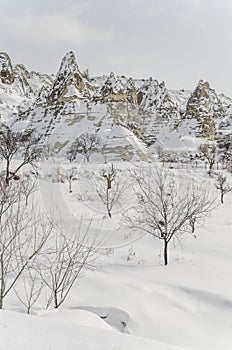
x=6, y=69
x=42, y=97
x=22, y=77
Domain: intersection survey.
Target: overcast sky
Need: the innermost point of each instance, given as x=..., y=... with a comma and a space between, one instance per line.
x=178, y=41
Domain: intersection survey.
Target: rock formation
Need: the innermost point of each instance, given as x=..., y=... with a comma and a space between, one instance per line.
x=127, y=114
x=69, y=83
x=204, y=105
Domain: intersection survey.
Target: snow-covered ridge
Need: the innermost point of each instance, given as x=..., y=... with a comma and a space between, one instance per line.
x=74, y=102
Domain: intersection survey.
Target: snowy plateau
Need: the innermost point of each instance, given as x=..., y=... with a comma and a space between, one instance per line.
x=125, y=298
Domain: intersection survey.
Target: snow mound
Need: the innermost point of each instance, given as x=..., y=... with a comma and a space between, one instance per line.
x=115, y=317
x=22, y=332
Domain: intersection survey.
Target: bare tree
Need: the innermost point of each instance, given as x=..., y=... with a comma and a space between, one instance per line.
x=22, y=237
x=32, y=288
x=72, y=176
x=223, y=186
x=71, y=152
x=28, y=185
x=165, y=211
x=24, y=143
x=68, y=258
x=47, y=151
x=9, y=195
x=159, y=151
x=109, y=188
x=85, y=144
x=209, y=151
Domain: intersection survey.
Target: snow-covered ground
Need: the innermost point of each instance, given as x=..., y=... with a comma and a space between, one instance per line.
x=131, y=301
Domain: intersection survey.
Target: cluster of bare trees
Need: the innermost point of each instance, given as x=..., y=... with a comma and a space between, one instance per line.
x=161, y=206
x=19, y=239
x=172, y=156
x=209, y=151
x=35, y=254
x=84, y=144
x=22, y=235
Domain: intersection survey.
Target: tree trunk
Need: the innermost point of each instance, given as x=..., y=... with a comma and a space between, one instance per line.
x=7, y=172
x=2, y=282
x=107, y=203
x=87, y=157
x=211, y=164
x=56, y=305
x=165, y=252
x=70, y=186
x=222, y=197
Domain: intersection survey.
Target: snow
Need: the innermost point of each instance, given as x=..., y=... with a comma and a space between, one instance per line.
x=131, y=301
x=73, y=92
x=30, y=332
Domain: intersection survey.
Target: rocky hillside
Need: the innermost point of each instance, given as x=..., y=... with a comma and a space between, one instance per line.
x=130, y=116
x=18, y=88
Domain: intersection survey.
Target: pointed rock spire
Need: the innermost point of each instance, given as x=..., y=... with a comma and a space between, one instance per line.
x=112, y=90
x=131, y=91
x=155, y=96
x=204, y=102
x=6, y=69
x=69, y=82
x=204, y=105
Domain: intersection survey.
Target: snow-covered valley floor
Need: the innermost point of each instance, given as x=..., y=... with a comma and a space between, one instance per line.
x=130, y=300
